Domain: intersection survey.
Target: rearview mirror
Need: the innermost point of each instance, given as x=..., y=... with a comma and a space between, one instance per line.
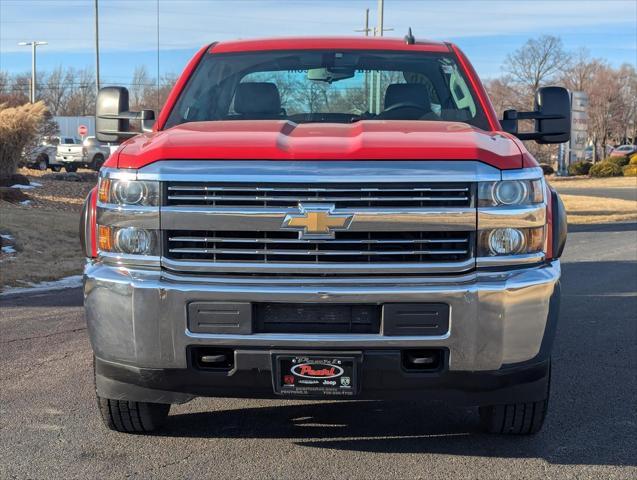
x=112, y=122
x=552, y=115
x=330, y=74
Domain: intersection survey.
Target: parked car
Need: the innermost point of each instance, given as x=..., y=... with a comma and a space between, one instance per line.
x=43, y=156
x=624, y=151
x=254, y=245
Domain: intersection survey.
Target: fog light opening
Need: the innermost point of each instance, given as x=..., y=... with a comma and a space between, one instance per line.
x=429, y=359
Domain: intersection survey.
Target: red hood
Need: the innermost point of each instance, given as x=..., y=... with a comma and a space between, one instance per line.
x=283, y=140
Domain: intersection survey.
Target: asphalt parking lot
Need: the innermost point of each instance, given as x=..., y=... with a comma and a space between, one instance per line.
x=49, y=426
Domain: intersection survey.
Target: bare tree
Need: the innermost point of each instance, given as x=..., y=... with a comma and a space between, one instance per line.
x=57, y=86
x=628, y=100
x=605, y=106
x=81, y=100
x=538, y=62
x=579, y=74
x=140, y=83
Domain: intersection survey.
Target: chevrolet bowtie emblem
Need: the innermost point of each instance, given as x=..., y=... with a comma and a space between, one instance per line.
x=316, y=221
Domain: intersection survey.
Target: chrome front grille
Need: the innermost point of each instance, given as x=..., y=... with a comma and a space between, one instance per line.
x=252, y=226
x=381, y=195
x=274, y=247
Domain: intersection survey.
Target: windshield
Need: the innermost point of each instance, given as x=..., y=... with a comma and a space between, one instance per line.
x=328, y=86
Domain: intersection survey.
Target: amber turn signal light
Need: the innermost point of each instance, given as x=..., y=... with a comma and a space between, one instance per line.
x=105, y=238
x=104, y=192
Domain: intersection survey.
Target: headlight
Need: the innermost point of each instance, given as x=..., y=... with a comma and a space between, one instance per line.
x=128, y=192
x=128, y=240
x=510, y=192
x=510, y=241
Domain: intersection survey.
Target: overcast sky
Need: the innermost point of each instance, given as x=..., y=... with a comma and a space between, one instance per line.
x=486, y=30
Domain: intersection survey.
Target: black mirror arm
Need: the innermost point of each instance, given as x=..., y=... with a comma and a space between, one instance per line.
x=147, y=118
x=510, y=119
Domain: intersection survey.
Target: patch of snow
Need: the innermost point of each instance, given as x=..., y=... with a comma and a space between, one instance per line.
x=22, y=187
x=25, y=202
x=36, y=184
x=8, y=249
x=66, y=282
x=7, y=237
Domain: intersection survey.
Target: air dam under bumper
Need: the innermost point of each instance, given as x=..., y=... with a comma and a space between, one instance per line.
x=502, y=325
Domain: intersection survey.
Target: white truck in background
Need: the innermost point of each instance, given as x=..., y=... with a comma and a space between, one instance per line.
x=74, y=153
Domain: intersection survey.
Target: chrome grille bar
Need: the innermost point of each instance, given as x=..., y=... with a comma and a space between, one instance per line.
x=297, y=241
x=345, y=195
x=242, y=198
x=314, y=252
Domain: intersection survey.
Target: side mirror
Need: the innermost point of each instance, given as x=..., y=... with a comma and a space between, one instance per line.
x=554, y=123
x=552, y=115
x=112, y=122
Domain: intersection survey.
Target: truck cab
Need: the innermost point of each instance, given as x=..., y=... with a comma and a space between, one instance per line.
x=324, y=218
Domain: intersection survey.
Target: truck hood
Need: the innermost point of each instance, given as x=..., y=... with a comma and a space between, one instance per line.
x=285, y=140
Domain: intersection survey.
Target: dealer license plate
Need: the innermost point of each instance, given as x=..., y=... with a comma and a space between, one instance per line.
x=310, y=375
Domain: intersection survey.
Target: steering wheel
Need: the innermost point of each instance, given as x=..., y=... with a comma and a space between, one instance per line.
x=398, y=106
x=402, y=106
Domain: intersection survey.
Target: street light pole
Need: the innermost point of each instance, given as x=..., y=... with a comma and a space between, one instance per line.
x=97, y=48
x=34, y=44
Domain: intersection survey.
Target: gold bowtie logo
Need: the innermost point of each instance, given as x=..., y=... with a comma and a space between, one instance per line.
x=316, y=221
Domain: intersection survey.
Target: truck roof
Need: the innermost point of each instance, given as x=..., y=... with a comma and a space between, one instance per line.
x=319, y=43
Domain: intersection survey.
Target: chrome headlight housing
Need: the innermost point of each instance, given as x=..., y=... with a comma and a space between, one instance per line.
x=128, y=240
x=128, y=192
x=510, y=193
x=511, y=241
x=511, y=221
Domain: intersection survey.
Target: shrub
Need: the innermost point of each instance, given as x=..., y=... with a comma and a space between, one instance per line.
x=630, y=170
x=579, y=168
x=605, y=169
x=547, y=169
x=18, y=127
x=619, y=161
x=633, y=159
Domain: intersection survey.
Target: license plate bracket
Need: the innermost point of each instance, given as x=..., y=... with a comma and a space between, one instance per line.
x=316, y=374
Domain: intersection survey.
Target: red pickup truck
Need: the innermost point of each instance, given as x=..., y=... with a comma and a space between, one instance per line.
x=335, y=218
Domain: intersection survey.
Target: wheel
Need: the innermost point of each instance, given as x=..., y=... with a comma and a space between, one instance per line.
x=42, y=163
x=56, y=168
x=97, y=162
x=132, y=417
x=70, y=168
x=524, y=418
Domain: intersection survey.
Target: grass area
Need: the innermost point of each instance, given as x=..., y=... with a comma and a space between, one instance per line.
x=587, y=182
x=46, y=243
x=582, y=209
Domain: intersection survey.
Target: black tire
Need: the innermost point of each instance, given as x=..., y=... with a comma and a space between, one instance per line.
x=42, y=163
x=132, y=417
x=56, y=168
x=524, y=418
x=70, y=168
x=98, y=161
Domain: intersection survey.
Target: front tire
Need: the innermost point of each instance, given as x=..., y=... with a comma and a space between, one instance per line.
x=56, y=168
x=42, y=163
x=132, y=417
x=97, y=162
x=523, y=418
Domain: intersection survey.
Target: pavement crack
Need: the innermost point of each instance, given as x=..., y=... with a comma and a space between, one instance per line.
x=75, y=330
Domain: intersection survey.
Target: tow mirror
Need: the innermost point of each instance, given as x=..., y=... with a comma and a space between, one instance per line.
x=113, y=117
x=552, y=115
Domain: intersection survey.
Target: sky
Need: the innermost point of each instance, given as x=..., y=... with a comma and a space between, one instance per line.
x=485, y=30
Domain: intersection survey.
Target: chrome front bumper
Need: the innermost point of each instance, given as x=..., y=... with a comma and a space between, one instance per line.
x=138, y=317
